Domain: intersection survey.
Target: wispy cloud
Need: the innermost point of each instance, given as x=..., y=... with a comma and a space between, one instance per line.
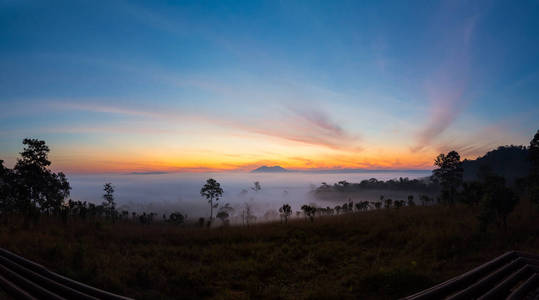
x=303, y=125
x=321, y=122
x=306, y=125
x=481, y=139
x=102, y=108
x=447, y=85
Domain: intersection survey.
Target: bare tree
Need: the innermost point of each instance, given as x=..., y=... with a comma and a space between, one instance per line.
x=247, y=215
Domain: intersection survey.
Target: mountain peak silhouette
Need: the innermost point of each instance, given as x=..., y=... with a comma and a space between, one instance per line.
x=271, y=169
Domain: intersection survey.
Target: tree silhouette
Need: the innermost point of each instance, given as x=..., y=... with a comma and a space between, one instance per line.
x=285, y=211
x=224, y=213
x=510, y=162
x=424, y=199
x=534, y=171
x=411, y=200
x=176, y=218
x=472, y=192
x=497, y=203
x=109, y=205
x=212, y=191
x=7, y=196
x=398, y=203
x=247, y=214
x=309, y=211
x=37, y=188
x=425, y=185
x=256, y=186
x=449, y=173
x=223, y=216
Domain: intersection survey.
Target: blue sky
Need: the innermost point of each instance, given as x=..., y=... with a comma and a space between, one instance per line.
x=219, y=85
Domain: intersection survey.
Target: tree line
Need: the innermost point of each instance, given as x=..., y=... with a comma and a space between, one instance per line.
x=489, y=190
x=425, y=185
x=31, y=189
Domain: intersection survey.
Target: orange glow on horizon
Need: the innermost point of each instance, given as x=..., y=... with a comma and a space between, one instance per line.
x=191, y=161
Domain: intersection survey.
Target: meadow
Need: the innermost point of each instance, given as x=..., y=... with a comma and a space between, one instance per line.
x=378, y=254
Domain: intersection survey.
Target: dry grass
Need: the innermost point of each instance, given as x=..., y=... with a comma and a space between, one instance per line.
x=380, y=254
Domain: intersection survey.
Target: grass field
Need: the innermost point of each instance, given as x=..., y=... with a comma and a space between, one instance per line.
x=381, y=254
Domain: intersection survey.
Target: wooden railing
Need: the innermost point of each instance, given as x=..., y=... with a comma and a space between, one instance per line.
x=512, y=275
x=24, y=279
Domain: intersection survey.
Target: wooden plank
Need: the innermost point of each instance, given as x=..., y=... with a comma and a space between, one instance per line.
x=503, y=288
x=13, y=290
x=51, y=285
x=491, y=280
x=454, y=284
x=525, y=288
x=37, y=268
x=475, y=290
x=29, y=286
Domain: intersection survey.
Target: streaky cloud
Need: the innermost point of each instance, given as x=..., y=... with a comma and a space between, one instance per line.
x=308, y=126
x=448, y=84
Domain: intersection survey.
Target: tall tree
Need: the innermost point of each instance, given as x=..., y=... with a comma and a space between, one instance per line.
x=497, y=203
x=37, y=187
x=449, y=173
x=285, y=211
x=7, y=199
x=212, y=191
x=109, y=205
x=247, y=214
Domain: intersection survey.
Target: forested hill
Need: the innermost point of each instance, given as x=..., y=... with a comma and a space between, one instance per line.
x=510, y=162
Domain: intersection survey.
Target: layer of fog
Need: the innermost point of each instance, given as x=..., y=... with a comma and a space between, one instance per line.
x=166, y=193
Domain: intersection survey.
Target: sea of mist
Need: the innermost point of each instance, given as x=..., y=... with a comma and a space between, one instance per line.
x=165, y=193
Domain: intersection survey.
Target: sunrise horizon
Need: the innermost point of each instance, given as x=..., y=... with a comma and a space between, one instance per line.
x=155, y=87
x=138, y=167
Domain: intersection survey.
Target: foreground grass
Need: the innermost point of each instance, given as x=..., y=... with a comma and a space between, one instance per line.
x=380, y=254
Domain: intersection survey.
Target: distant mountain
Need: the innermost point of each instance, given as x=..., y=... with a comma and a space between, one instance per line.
x=266, y=169
x=510, y=162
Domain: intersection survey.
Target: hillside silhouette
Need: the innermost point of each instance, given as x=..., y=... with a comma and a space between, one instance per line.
x=271, y=169
x=511, y=162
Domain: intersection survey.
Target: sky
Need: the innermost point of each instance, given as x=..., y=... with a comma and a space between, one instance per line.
x=177, y=86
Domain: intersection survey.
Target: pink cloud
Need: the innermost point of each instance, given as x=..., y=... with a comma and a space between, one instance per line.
x=308, y=126
x=447, y=85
